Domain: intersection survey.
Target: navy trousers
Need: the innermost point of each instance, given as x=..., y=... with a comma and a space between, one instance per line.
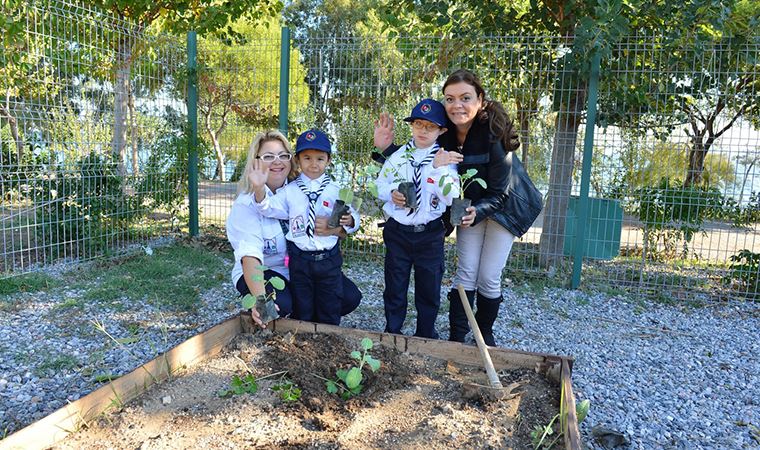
x=284, y=299
x=419, y=247
x=316, y=284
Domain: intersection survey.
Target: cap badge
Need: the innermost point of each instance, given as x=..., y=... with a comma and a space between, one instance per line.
x=310, y=136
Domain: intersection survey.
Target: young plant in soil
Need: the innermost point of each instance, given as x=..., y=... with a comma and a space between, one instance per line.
x=346, y=195
x=349, y=381
x=541, y=432
x=341, y=208
x=264, y=303
x=239, y=386
x=459, y=205
x=287, y=390
x=404, y=186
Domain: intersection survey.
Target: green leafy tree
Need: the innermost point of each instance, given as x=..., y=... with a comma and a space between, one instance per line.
x=178, y=16
x=702, y=82
x=241, y=80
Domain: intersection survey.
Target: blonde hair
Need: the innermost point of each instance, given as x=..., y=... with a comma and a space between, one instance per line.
x=253, y=151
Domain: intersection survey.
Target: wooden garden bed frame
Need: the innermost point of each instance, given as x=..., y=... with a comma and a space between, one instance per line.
x=78, y=414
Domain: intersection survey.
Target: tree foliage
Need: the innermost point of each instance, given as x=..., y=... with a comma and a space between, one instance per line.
x=238, y=84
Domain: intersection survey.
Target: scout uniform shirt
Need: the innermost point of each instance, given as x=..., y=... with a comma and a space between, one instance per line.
x=251, y=234
x=292, y=204
x=399, y=168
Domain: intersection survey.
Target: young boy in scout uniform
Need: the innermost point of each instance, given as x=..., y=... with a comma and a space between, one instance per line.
x=414, y=236
x=315, y=261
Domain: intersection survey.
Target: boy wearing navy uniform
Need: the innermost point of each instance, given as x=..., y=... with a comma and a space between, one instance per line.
x=315, y=261
x=414, y=236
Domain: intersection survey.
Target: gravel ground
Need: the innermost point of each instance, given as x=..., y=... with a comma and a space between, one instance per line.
x=666, y=377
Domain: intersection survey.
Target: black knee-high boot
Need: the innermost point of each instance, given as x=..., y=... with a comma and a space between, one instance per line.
x=458, y=326
x=488, y=309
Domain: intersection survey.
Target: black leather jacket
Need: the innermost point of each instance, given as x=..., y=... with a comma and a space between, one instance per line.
x=510, y=198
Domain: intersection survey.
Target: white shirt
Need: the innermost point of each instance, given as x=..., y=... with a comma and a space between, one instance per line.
x=251, y=234
x=292, y=204
x=397, y=169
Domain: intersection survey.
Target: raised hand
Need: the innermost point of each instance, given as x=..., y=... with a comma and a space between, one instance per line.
x=384, y=135
x=258, y=175
x=444, y=158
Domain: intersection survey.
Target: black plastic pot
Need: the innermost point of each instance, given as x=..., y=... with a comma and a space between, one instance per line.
x=266, y=309
x=459, y=209
x=340, y=210
x=407, y=188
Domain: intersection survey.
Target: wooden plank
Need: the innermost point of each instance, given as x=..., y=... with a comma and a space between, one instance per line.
x=503, y=359
x=59, y=424
x=570, y=427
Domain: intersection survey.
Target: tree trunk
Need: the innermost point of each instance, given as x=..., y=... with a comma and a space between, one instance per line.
x=121, y=94
x=697, y=155
x=214, y=135
x=5, y=113
x=133, y=131
x=523, y=116
x=560, y=179
x=219, y=158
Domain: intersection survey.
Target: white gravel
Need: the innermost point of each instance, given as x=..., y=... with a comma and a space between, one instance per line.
x=667, y=377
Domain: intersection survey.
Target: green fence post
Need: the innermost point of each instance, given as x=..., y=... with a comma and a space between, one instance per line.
x=284, y=78
x=588, y=150
x=192, y=121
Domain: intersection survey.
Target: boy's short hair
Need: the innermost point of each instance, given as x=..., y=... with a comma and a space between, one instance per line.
x=430, y=110
x=313, y=140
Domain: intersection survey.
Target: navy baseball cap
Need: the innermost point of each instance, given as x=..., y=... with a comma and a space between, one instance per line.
x=313, y=140
x=430, y=110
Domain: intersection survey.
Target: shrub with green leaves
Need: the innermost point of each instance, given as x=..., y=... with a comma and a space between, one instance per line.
x=744, y=272
x=349, y=381
x=673, y=214
x=85, y=200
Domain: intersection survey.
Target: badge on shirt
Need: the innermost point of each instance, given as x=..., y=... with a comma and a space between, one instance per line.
x=298, y=226
x=430, y=180
x=270, y=247
x=434, y=202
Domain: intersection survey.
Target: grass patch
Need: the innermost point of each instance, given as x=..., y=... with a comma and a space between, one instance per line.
x=32, y=282
x=59, y=362
x=173, y=277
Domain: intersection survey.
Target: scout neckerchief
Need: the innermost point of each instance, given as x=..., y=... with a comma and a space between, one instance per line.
x=312, y=196
x=418, y=172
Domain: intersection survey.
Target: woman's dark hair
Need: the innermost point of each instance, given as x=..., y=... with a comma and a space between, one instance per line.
x=493, y=112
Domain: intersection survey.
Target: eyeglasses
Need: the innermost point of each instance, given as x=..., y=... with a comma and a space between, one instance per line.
x=429, y=127
x=270, y=157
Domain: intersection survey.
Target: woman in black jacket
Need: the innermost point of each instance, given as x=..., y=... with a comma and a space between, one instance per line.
x=483, y=134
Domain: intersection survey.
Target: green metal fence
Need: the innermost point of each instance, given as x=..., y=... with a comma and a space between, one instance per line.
x=654, y=190
x=92, y=143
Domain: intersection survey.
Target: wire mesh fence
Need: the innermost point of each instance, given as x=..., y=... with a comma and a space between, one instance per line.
x=93, y=154
x=92, y=137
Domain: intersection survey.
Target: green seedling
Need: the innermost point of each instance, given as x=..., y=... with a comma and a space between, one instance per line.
x=287, y=390
x=349, y=381
x=541, y=432
x=465, y=180
x=264, y=303
x=239, y=386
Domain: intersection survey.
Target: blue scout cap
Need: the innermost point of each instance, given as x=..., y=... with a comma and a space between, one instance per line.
x=430, y=110
x=313, y=140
